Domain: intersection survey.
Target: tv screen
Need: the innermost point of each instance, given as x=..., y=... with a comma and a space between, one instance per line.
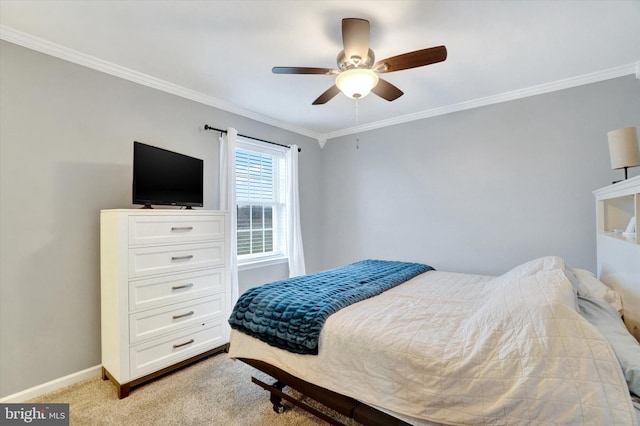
x=164, y=177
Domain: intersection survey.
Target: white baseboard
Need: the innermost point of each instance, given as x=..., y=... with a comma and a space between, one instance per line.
x=53, y=385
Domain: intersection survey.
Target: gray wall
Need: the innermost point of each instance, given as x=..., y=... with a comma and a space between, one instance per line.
x=478, y=191
x=474, y=191
x=66, y=135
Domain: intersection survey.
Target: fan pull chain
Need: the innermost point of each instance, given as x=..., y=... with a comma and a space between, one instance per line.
x=357, y=126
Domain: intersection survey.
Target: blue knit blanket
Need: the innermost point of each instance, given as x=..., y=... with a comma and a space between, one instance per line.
x=289, y=314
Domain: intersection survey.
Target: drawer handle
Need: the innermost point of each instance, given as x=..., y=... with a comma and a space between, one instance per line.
x=180, y=287
x=188, y=314
x=176, y=258
x=182, y=228
x=179, y=345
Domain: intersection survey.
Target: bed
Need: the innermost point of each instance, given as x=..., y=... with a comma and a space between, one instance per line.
x=525, y=347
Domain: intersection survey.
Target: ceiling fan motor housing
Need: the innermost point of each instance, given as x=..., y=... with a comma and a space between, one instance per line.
x=355, y=61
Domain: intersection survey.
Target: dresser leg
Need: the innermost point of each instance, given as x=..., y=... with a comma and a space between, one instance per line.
x=123, y=390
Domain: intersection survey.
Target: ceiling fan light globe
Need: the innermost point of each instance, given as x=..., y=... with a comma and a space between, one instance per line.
x=356, y=83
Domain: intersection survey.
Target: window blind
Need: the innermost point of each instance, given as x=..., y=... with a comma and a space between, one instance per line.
x=260, y=190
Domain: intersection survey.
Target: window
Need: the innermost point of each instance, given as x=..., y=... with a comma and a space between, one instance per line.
x=260, y=198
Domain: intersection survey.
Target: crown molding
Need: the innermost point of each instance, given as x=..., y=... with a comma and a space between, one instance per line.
x=56, y=50
x=540, y=89
x=44, y=46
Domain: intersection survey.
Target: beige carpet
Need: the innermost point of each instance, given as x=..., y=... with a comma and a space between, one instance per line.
x=215, y=391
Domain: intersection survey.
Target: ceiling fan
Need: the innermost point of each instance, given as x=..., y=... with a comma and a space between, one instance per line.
x=357, y=72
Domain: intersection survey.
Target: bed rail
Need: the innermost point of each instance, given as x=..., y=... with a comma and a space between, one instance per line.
x=347, y=406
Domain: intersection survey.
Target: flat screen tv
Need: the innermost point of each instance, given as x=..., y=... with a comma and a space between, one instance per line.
x=165, y=177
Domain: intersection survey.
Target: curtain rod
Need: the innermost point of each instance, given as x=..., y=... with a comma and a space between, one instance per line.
x=207, y=127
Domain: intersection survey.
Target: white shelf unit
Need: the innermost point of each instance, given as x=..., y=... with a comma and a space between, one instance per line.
x=165, y=291
x=617, y=205
x=619, y=254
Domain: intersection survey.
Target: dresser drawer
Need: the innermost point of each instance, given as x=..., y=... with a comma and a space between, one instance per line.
x=147, y=261
x=167, y=319
x=175, y=228
x=153, y=292
x=156, y=354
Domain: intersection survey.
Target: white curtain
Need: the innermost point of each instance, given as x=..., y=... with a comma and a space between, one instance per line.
x=295, y=251
x=228, y=201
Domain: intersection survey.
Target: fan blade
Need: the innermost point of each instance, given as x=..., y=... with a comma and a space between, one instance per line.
x=387, y=91
x=414, y=59
x=327, y=96
x=355, y=38
x=303, y=70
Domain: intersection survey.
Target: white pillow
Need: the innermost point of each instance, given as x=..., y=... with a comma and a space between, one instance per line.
x=532, y=267
x=591, y=287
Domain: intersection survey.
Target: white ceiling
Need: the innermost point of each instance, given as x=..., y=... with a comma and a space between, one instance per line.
x=221, y=52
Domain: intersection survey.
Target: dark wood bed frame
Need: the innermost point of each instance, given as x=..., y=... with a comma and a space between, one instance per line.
x=347, y=406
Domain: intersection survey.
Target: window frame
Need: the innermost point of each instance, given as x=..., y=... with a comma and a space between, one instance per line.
x=279, y=254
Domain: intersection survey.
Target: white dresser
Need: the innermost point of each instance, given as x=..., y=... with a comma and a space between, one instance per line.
x=165, y=292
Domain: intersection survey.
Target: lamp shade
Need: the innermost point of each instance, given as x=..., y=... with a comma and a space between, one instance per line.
x=357, y=83
x=623, y=148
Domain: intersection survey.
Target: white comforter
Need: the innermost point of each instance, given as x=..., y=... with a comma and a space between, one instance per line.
x=467, y=349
